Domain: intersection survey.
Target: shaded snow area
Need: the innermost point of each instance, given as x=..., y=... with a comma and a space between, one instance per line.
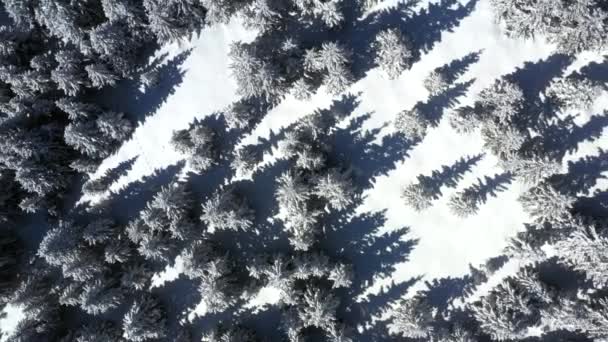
x=386, y=265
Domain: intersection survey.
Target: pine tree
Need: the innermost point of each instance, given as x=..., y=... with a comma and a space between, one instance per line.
x=198, y=143
x=572, y=25
x=329, y=12
x=220, y=11
x=393, y=52
x=232, y=334
x=545, y=204
x=226, y=210
x=99, y=231
x=136, y=275
x=216, y=286
x=69, y=75
x=586, y=251
x=505, y=313
x=412, y=318
x=113, y=41
x=86, y=138
x=501, y=140
x=145, y=320
x=118, y=250
x=333, y=62
x=263, y=15
x=114, y=126
x=318, y=309
x=246, y=159
x=100, y=296
x=254, y=76
x=336, y=188
x=412, y=124
x=274, y=272
x=197, y=257
x=531, y=170
x=572, y=94
x=436, y=82
x=21, y=11
x=174, y=19
x=98, y=331
x=341, y=275
x=100, y=75
x=502, y=101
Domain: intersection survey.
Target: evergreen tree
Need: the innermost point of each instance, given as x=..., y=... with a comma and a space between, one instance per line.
x=413, y=318
x=70, y=74
x=171, y=20
x=545, y=204
x=501, y=102
x=232, y=334
x=573, y=25
x=336, y=188
x=393, y=52
x=329, y=12
x=145, y=320
x=100, y=75
x=333, y=62
x=254, y=76
x=411, y=123
x=198, y=143
x=98, y=331
x=572, y=94
x=587, y=251
x=318, y=309
x=246, y=159
x=227, y=210
x=531, y=170
x=100, y=296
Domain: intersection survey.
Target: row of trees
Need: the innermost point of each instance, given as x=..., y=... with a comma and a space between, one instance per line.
x=573, y=25
x=564, y=239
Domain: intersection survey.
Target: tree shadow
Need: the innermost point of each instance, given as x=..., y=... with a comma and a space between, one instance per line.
x=582, y=174
x=562, y=136
x=490, y=186
x=448, y=176
x=596, y=72
x=423, y=28
x=435, y=107
x=440, y=293
x=356, y=148
x=535, y=77
x=137, y=105
x=126, y=203
x=458, y=67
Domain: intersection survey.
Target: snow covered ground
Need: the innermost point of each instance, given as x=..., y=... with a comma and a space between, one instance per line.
x=446, y=244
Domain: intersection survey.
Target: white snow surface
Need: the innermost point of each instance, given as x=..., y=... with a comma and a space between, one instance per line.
x=446, y=244
x=14, y=314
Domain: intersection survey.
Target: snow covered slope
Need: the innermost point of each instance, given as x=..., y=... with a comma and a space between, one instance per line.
x=446, y=244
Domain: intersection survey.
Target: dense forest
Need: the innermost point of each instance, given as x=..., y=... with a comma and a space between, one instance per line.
x=89, y=278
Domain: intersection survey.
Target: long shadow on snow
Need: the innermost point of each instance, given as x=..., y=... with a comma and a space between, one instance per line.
x=127, y=97
x=126, y=203
x=533, y=78
x=563, y=136
x=582, y=174
x=423, y=29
